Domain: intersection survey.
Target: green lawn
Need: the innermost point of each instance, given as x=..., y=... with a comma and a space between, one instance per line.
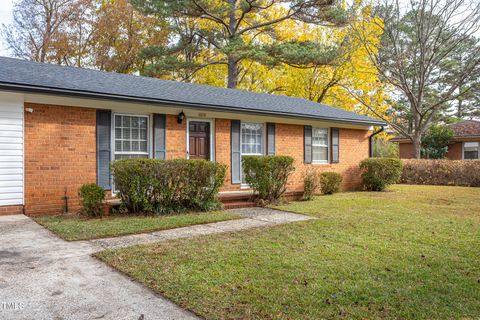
x=410, y=253
x=76, y=228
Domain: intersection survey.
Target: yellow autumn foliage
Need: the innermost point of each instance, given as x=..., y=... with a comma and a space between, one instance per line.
x=350, y=83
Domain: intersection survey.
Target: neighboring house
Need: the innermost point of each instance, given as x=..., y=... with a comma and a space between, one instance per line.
x=60, y=127
x=464, y=145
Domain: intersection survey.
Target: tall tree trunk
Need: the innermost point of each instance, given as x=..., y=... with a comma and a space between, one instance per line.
x=232, y=72
x=232, y=60
x=417, y=141
x=417, y=135
x=460, y=109
x=460, y=104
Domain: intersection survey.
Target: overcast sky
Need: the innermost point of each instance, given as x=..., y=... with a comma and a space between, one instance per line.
x=6, y=7
x=5, y=18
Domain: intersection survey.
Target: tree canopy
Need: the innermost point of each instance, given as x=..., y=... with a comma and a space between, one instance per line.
x=228, y=32
x=424, y=61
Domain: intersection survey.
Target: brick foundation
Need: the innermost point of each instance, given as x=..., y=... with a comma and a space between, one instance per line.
x=9, y=210
x=60, y=156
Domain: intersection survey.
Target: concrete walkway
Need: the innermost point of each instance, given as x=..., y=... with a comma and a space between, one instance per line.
x=44, y=277
x=252, y=218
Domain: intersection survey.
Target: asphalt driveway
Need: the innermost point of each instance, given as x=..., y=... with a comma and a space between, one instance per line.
x=44, y=277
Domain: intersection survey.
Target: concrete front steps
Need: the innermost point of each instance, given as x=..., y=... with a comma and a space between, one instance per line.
x=237, y=199
x=243, y=199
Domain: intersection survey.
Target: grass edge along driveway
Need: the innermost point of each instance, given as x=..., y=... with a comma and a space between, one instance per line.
x=411, y=252
x=73, y=228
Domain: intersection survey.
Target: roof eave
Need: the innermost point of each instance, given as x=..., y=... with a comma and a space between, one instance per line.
x=99, y=95
x=455, y=138
x=466, y=137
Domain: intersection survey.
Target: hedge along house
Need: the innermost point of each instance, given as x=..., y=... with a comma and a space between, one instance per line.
x=465, y=144
x=60, y=127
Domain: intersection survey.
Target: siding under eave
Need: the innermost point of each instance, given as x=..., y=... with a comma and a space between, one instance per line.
x=11, y=150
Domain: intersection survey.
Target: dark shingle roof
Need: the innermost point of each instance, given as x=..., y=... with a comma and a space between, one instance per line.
x=466, y=128
x=32, y=76
x=463, y=129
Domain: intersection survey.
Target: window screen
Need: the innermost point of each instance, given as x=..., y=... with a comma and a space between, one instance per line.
x=131, y=136
x=252, y=141
x=252, y=138
x=320, y=145
x=471, y=150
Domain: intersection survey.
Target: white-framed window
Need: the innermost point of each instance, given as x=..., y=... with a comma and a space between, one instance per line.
x=320, y=145
x=252, y=138
x=252, y=141
x=471, y=150
x=130, y=136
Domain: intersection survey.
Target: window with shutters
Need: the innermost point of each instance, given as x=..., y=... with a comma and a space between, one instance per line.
x=252, y=141
x=130, y=136
x=320, y=145
x=471, y=150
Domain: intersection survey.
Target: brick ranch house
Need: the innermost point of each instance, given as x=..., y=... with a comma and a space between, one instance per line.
x=465, y=144
x=60, y=127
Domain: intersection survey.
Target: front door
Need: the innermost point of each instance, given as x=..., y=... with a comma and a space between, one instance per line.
x=199, y=140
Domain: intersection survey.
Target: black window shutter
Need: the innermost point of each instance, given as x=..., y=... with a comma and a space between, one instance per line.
x=270, y=139
x=335, y=143
x=307, y=141
x=104, y=131
x=235, y=146
x=159, y=135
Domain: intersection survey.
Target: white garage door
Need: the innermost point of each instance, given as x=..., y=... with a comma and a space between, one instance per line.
x=11, y=149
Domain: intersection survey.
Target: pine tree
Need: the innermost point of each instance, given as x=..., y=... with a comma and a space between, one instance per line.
x=227, y=32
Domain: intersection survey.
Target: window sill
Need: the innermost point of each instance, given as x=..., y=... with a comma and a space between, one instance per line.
x=320, y=162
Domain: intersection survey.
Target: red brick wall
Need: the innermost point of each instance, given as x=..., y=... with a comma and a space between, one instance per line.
x=176, y=138
x=223, y=151
x=60, y=154
x=405, y=151
x=8, y=210
x=454, y=151
x=289, y=141
x=353, y=149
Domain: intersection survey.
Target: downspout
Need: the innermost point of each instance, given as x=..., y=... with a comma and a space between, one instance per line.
x=370, y=141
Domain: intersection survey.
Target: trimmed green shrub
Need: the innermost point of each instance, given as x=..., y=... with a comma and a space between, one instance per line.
x=310, y=184
x=441, y=172
x=379, y=173
x=91, y=198
x=435, y=142
x=166, y=186
x=268, y=176
x=330, y=182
